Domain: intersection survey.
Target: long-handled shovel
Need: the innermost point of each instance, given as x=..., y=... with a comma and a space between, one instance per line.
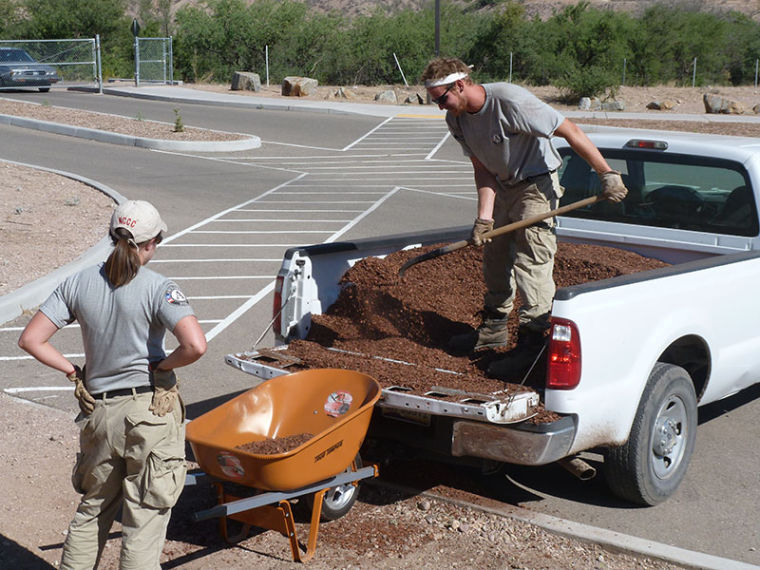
x=499, y=231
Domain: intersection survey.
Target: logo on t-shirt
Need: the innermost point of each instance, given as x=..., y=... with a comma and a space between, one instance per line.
x=175, y=296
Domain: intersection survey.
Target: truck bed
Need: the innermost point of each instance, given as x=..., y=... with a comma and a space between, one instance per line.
x=394, y=329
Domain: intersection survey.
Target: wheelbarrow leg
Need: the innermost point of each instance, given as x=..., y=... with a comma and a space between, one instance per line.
x=223, y=526
x=316, y=513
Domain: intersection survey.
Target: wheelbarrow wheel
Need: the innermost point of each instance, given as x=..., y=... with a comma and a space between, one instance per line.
x=338, y=500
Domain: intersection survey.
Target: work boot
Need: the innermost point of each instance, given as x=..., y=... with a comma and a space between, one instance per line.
x=491, y=333
x=518, y=361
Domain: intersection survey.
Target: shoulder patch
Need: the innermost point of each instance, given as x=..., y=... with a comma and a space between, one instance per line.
x=174, y=296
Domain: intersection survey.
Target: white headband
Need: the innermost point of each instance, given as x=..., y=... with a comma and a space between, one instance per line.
x=451, y=78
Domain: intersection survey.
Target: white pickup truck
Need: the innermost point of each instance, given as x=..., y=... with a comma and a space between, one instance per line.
x=629, y=358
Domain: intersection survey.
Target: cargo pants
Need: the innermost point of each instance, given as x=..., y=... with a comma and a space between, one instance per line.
x=130, y=459
x=523, y=260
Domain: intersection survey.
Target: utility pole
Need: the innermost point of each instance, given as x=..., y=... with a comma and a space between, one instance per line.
x=437, y=28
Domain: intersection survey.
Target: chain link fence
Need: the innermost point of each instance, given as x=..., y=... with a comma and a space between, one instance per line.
x=76, y=63
x=153, y=60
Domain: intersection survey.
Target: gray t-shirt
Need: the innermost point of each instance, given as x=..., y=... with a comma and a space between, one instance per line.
x=510, y=134
x=122, y=329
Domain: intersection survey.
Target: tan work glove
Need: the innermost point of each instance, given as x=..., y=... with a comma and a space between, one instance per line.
x=165, y=391
x=480, y=227
x=613, y=188
x=85, y=399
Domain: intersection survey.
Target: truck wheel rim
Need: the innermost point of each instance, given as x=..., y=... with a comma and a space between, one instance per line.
x=669, y=437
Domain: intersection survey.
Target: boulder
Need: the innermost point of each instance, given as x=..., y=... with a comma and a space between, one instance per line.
x=590, y=104
x=414, y=98
x=716, y=104
x=298, y=86
x=245, y=80
x=387, y=96
x=661, y=105
x=342, y=93
x=614, y=105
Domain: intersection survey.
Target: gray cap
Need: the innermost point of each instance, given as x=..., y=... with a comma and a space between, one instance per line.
x=140, y=218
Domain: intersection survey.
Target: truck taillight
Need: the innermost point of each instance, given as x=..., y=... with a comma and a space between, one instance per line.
x=277, y=306
x=564, y=369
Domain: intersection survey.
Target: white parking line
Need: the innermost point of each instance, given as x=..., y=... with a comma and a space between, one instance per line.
x=265, y=232
x=310, y=220
x=219, y=277
x=219, y=260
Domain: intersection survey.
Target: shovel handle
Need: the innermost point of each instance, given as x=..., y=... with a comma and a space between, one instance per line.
x=520, y=224
x=500, y=231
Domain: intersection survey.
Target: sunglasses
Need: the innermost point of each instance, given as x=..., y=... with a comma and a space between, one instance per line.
x=441, y=99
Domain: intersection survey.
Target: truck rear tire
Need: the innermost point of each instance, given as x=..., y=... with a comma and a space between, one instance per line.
x=337, y=501
x=648, y=468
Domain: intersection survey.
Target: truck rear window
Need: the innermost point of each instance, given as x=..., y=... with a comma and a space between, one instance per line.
x=666, y=190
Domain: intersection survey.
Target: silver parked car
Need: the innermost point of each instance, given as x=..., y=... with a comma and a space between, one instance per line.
x=19, y=69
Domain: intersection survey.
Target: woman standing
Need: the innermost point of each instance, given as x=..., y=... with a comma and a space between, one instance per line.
x=132, y=435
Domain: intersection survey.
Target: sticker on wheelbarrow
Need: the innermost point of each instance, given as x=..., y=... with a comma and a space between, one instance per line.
x=230, y=465
x=338, y=403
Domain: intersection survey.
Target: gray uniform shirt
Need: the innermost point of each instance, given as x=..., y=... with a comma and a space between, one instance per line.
x=122, y=329
x=510, y=134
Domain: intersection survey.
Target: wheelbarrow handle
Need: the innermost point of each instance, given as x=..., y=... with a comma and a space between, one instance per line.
x=500, y=231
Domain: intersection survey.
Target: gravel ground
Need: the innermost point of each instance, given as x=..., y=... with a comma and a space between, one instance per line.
x=386, y=529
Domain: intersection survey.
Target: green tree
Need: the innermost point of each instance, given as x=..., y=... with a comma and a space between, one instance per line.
x=53, y=19
x=11, y=11
x=498, y=40
x=589, y=47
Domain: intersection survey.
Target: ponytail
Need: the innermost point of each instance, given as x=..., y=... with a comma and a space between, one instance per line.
x=124, y=262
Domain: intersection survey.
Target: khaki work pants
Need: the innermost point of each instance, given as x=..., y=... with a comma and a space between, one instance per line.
x=130, y=459
x=523, y=260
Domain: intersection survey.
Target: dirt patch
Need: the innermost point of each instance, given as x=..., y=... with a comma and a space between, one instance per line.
x=46, y=221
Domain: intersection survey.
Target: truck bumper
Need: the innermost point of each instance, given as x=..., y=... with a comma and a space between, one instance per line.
x=526, y=444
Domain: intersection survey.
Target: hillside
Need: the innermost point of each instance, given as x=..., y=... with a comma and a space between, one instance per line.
x=542, y=8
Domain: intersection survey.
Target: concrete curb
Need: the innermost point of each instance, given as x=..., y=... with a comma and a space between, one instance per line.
x=29, y=296
x=195, y=96
x=250, y=142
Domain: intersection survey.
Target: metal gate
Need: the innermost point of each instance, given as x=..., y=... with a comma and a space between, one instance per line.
x=153, y=60
x=76, y=61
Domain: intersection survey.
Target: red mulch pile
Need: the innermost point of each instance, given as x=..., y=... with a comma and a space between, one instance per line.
x=382, y=317
x=272, y=446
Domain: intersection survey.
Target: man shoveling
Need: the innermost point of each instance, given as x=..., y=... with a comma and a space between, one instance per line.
x=506, y=132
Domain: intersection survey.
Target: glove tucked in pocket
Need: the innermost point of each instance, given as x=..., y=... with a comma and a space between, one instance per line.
x=165, y=391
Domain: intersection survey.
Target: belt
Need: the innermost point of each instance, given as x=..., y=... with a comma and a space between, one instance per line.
x=547, y=173
x=124, y=392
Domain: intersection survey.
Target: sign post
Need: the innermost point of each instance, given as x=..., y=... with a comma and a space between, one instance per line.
x=135, y=32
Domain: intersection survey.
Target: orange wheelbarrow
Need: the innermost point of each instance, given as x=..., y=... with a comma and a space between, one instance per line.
x=330, y=408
